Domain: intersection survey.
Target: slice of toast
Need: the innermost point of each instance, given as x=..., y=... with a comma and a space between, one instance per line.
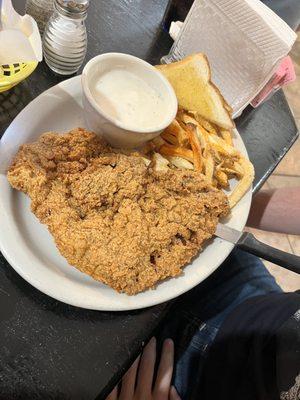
x=191, y=80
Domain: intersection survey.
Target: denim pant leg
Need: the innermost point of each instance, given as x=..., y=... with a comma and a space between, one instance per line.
x=288, y=10
x=196, y=316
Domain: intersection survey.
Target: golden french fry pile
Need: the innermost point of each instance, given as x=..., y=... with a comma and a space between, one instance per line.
x=191, y=142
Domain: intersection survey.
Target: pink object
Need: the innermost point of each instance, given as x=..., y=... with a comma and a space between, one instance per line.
x=284, y=75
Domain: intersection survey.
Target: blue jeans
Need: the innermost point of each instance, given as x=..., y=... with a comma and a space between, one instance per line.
x=197, y=315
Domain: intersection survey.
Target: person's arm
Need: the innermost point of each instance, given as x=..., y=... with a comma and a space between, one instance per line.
x=276, y=210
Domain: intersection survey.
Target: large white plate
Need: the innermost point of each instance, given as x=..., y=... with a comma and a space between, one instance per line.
x=30, y=249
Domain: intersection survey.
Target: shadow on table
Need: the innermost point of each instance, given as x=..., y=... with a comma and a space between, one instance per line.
x=12, y=102
x=160, y=46
x=6, y=394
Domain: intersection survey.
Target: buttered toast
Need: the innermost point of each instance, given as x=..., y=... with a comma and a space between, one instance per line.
x=191, y=80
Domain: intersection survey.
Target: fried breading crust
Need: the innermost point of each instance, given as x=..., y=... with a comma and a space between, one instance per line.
x=111, y=216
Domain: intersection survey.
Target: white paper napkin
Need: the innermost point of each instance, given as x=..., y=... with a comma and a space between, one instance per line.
x=20, y=40
x=244, y=41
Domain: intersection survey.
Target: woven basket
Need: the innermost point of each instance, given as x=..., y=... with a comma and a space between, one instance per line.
x=11, y=75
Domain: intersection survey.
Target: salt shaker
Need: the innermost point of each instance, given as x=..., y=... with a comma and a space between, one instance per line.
x=41, y=11
x=65, y=39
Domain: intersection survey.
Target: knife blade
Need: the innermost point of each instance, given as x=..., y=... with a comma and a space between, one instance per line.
x=247, y=242
x=229, y=234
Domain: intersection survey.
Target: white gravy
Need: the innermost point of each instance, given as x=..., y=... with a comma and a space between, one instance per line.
x=126, y=97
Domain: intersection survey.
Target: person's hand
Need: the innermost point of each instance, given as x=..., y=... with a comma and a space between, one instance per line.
x=137, y=383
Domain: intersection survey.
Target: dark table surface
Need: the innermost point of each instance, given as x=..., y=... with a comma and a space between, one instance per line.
x=50, y=350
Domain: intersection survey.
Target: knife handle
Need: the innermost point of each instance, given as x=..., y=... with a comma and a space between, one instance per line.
x=249, y=243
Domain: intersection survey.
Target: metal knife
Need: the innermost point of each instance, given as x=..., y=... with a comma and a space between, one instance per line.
x=247, y=242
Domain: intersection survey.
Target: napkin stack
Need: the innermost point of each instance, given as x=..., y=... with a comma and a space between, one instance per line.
x=244, y=40
x=20, y=40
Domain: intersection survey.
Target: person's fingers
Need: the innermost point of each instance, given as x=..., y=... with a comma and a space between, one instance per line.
x=173, y=394
x=165, y=371
x=128, y=382
x=113, y=395
x=146, y=370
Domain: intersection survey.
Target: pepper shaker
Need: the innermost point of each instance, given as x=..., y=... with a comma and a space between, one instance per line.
x=41, y=11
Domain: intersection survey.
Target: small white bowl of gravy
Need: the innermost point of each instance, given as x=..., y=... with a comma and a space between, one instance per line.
x=126, y=100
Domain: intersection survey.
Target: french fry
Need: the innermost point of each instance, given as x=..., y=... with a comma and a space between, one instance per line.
x=244, y=184
x=226, y=135
x=238, y=168
x=149, y=147
x=158, y=142
x=191, y=142
x=204, y=141
x=209, y=167
x=233, y=169
x=178, y=132
x=160, y=163
x=216, y=156
x=201, y=132
x=168, y=137
x=206, y=124
x=153, y=145
x=167, y=150
x=231, y=172
x=147, y=162
x=215, y=182
x=228, y=162
x=222, y=178
x=180, y=114
x=196, y=147
x=221, y=146
x=188, y=119
x=180, y=162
